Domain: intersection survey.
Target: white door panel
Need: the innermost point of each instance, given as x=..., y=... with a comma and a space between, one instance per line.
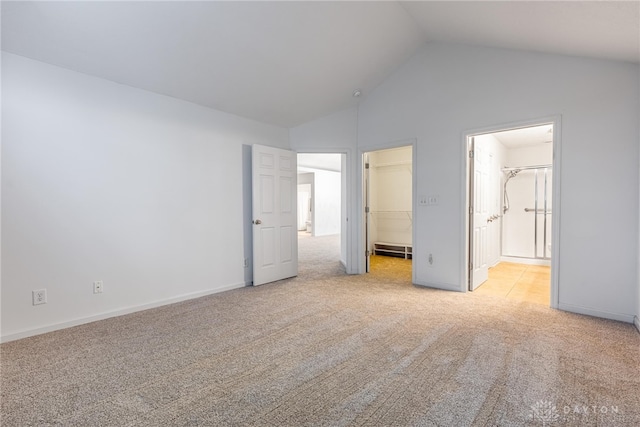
x=479, y=224
x=275, y=241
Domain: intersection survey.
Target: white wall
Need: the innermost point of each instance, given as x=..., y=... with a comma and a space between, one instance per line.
x=446, y=90
x=326, y=202
x=337, y=133
x=105, y=182
x=304, y=205
x=532, y=155
x=325, y=192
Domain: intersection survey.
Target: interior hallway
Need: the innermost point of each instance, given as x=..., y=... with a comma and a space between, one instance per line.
x=521, y=282
x=319, y=256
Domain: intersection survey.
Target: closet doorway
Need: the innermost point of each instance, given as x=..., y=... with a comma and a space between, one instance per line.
x=388, y=211
x=510, y=212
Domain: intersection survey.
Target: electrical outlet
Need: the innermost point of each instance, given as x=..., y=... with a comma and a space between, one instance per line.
x=98, y=287
x=39, y=296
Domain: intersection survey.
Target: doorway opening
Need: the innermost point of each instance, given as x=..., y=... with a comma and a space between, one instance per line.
x=510, y=201
x=388, y=207
x=321, y=214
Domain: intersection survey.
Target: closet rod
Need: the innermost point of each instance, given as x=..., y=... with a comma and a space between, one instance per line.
x=399, y=163
x=522, y=168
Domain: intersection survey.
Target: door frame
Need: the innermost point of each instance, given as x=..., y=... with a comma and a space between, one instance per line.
x=361, y=243
x=555, y=120
x=347, y=177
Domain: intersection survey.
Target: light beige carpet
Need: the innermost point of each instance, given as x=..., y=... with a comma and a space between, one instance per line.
x=334, y=351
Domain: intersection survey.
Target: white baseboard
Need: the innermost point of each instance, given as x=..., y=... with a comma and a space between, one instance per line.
x=636, y=321
x=119, y=312
x=435, y=285
x=628, y=318
x=528, y=261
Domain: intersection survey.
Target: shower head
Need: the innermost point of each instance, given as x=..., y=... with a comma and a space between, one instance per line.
x=510, y=174
x=513, y=173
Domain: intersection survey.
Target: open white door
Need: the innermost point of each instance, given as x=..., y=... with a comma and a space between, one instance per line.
x=478, y=215
x=275, y=238
x=367, y=214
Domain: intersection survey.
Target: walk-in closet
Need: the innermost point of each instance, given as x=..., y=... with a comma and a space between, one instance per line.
x=390, y=216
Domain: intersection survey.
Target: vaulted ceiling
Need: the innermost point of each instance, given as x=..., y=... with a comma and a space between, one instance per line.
x=286, y=63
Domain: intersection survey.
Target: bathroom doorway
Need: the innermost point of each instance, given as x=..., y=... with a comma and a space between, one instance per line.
x=510, y=202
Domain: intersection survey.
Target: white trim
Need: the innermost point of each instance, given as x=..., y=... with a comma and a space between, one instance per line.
x=438, y=285
x=464, y=202
x=636, y=322
x=414, y=206
x=120, y=312
x=627, y=318
x=556, y=201
x=413, y=142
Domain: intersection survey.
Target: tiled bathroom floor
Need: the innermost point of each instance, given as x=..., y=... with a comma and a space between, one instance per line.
x=522, y=282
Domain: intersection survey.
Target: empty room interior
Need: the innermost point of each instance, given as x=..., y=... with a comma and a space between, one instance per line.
x=320, y=213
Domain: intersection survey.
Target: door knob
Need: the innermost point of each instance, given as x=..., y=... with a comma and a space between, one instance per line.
x=257, y=222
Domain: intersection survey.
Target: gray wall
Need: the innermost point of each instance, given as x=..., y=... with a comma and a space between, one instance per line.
x=105, y=182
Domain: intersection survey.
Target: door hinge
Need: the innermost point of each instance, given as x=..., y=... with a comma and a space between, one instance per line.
x=471, y=154
x=470, y=266
x=470, y=210
x=367, y=253
x=366, y=209
x=366, y=165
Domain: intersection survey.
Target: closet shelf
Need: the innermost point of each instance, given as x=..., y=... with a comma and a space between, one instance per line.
x=398, y=212
x=384, y=165
x=395, y=213
x=399, y=250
